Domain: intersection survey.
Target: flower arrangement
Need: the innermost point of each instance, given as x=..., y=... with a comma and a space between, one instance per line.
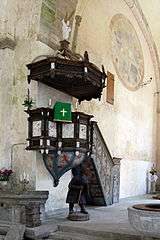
x=5, y=173
x=153, y=170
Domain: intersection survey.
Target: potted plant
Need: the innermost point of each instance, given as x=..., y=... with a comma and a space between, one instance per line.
x=153, y=171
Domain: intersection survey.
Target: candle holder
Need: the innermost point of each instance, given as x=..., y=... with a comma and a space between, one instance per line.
x=24, y=180
x=50, y=102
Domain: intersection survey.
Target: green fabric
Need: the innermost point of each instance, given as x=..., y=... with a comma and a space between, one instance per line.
x=62, y=112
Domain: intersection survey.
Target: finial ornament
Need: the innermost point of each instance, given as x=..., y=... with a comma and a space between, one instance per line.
x=86, y=57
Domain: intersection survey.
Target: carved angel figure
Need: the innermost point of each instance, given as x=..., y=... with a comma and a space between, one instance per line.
x=66, y=29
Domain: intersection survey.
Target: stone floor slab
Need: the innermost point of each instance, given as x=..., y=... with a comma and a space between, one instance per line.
x=42, y=231
x=16, y=232
x=109, y=222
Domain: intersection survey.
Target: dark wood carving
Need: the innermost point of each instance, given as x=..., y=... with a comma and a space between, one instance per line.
x=63, y=145
x=45, y=116
x=78, y=78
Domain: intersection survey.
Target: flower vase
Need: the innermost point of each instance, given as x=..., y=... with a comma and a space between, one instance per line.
x=3, y=183
x=153, y=187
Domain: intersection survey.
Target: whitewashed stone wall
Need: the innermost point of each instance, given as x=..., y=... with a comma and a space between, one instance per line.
x=129, y=126
x=25, y=19
x=44, y=181
x=6, y=56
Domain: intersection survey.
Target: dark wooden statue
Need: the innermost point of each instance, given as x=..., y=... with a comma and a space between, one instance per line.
x=77, y=191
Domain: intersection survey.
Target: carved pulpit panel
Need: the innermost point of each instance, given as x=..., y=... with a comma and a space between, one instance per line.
x=59, y=164
x=36, y=128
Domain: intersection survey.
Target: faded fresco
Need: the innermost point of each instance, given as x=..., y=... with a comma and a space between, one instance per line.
x=126, y=52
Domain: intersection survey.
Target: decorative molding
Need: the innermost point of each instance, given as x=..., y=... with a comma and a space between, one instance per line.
x=130, y=3
x=7, y=38
x=7, y=42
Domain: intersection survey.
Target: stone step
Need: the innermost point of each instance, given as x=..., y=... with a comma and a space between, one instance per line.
x=77, y=233
x=71, y=236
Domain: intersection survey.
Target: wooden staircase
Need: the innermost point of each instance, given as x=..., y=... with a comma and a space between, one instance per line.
x=96, y=196
x=103, y=172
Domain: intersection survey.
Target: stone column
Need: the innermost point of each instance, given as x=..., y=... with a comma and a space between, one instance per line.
x=75, y=35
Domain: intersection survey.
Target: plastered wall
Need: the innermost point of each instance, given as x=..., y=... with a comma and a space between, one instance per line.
x=13, y=90
x=129, y=125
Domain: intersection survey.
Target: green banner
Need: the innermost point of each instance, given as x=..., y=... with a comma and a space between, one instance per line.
x=62, y=112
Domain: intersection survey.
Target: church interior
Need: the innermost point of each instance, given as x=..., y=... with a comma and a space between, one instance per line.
x=79, y=88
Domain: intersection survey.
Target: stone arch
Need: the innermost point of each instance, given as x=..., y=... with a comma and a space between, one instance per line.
x=142, y=22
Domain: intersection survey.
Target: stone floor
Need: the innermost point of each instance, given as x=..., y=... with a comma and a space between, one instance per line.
x=109, y=222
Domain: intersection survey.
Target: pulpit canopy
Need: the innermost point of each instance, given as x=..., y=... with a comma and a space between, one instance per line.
x=78, y=78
